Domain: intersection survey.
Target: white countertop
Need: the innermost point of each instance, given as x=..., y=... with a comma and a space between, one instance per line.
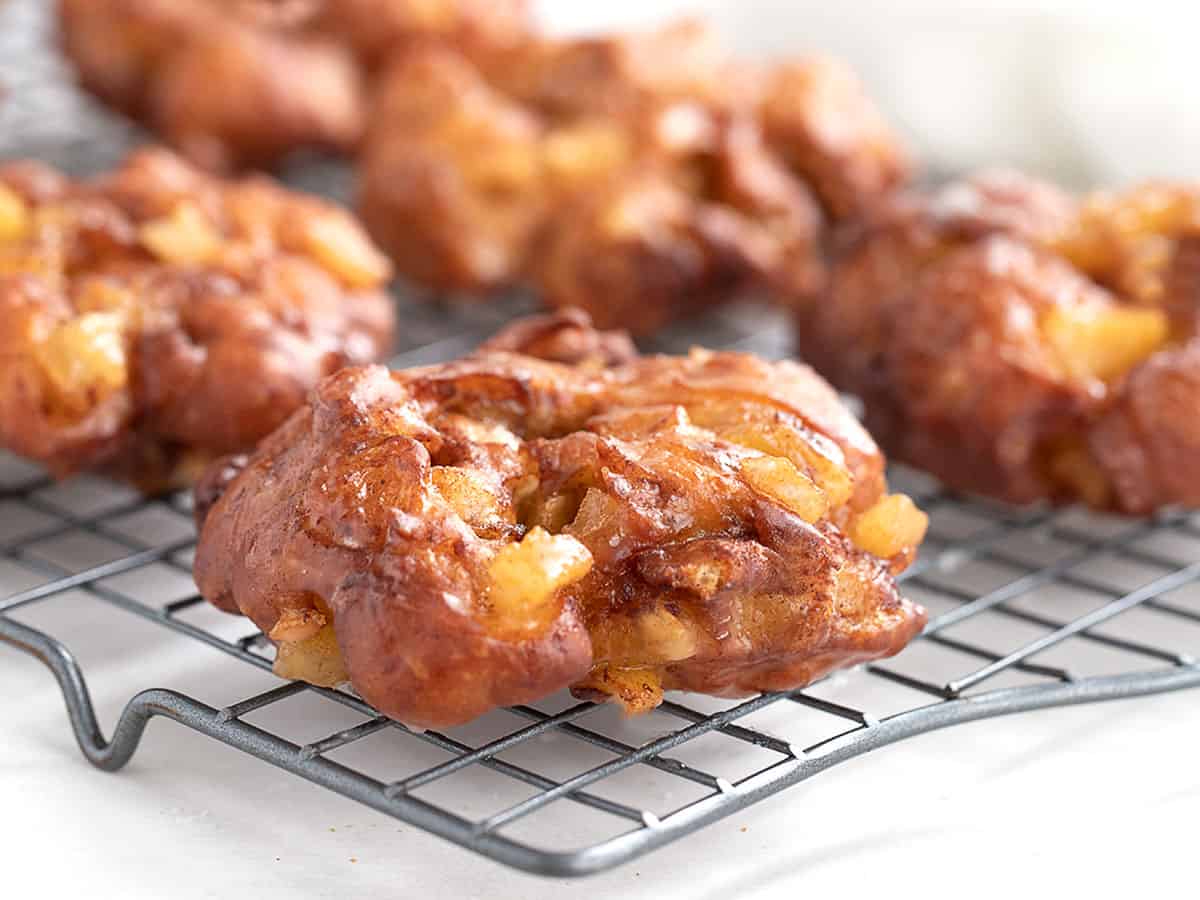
x=1099, y=800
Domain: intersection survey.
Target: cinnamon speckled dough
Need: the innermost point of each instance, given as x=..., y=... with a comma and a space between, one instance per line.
x=234, y=83
x=488, y=531
x=1020, y=343
x=155, y=317
x=639, y=176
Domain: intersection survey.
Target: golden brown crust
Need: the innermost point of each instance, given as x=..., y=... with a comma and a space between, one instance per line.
x=156, y=317
x=489, y=531
x=1019, y=344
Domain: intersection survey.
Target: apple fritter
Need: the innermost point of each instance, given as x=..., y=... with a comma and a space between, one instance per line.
x=672, y=236
x=156, y=317
x=488, y=531
x=639, y=176
x=450, y=177
x=1020, y=343
x=228, y=84
x=818, y=117
x=238, y=83
x=618, y=76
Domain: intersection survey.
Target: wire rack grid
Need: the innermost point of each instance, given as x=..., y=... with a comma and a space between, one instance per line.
x=1029, y=609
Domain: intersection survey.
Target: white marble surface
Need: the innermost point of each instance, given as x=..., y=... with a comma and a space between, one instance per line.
x=1088, y=802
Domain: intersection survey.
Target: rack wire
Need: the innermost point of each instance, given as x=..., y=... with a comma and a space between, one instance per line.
x=1029, y=609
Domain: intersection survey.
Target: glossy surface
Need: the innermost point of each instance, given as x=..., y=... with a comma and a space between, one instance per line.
x=489, y=531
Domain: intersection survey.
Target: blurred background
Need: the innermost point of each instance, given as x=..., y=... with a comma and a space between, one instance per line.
x=1086, y=92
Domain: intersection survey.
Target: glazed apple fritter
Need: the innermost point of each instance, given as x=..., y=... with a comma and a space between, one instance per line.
x=488, y=531
x=155, y=317
x=1022, y=344
x=637, y=176
x=234, y=83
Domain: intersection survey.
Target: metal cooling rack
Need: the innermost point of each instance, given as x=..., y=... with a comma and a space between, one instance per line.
x=1030, y=609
